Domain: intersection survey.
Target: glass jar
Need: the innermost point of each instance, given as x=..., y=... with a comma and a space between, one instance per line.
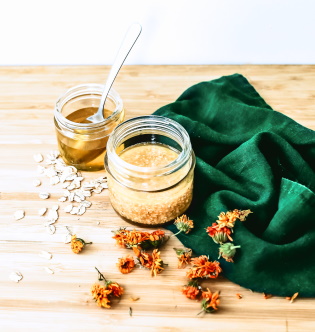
x=150, y=165
x=81, y=143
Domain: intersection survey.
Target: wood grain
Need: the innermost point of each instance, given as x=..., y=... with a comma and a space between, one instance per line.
x=44, y=302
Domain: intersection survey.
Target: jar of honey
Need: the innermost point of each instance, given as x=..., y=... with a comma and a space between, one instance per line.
x=81, y=142
x=150, y=165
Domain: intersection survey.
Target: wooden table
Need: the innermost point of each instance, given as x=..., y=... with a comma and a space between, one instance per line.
x=62, y=301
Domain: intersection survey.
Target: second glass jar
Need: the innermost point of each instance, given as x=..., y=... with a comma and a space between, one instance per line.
x=82, y=143
x=150, y=165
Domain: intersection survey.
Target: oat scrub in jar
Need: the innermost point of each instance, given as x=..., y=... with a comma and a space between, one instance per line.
x=150, y=165
x=83, y=143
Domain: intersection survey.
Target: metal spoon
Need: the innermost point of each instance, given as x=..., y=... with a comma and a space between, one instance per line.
x=125, y=47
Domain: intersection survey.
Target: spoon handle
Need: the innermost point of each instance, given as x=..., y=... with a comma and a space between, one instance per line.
x=125, y=47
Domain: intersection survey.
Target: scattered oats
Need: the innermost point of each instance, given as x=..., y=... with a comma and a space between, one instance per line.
x=50, y=172
x=15, y=276
x=44, y=195
x=66, y=193
x=38, y=158
x=97, y=223
x=55, y=207
x=40, y=169
x=71, y=186
x=97, y=191
x=68, y=238
x=62, y=199
x=77, y=198
x=68, y=208
x=48, y=270
x=70, y=177
x=74, y=210
x=104, y=185
x=65, y=185
x=86, y=203
x=71, y=197
x=54, y=180
x=53, y=155
x=86, y=193
x=42, y=211
x=52, y=217
x=19, y=214
x=45, y=254
x=51, y=229
x=82, y=209
x=37, y=183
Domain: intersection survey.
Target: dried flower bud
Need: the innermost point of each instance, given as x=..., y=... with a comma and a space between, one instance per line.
x=183, y=224
x=77, y=244
x=227, y=251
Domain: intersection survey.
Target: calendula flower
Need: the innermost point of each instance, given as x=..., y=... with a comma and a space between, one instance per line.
x=227, y=251
x=228, y=219
x=203, y=268
x=192, y=290
x=100, y=294
x=78, y=244
x=115, y=288
x=210, y=301
x=157, y=263
x=145, y=240
x=152, y=262
x=126, y=264
x=183, y=224
x=184, y=256
x=103, y=294
x=219, y=234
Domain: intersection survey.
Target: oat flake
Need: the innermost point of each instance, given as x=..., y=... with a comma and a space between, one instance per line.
x=15, y=276
x=19, y=214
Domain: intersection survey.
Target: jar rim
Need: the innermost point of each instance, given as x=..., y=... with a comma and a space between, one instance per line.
x=182, y=158
x=85, y=89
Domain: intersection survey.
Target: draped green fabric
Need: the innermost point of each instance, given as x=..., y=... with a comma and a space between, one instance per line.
x=251, y=157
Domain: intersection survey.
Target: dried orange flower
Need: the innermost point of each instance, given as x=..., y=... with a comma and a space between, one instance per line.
x=228, y=219
x=219, y=234
x=210, y=301
x=134, y=238
x=126, y=264
x=184, y=256
x=100, y=294
x=115, y=288
x=203, y=268
x=192, y=290
x=152, y=262
x=294, y=296
x=78, y=244
x=157, y=263
x=103, y=294
x=267, y=296
x=183, y=224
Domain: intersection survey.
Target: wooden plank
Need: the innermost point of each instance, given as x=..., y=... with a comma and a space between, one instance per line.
x=62, y=301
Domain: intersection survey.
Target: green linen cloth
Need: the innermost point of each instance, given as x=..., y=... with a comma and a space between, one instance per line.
x=251, y=157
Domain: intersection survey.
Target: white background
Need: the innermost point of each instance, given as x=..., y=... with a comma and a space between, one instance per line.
x=36, y=32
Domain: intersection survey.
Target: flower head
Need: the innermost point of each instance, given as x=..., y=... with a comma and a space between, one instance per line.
x=210, y=301
x=203, y=268
x=146, y=240
x=227, y=219
x=227, y=251
x=77, y=244
x=184, y=256
x=126, y=264
x=115, y=288
x=100, y=294
x=150, y=261
x=192, y=290
x=219, y=234
x=183, y=224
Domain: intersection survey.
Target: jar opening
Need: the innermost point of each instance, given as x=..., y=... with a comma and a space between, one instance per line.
x=85, y=100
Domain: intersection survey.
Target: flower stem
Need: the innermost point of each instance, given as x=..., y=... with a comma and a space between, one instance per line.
x=176, y=233
x=101, y=276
